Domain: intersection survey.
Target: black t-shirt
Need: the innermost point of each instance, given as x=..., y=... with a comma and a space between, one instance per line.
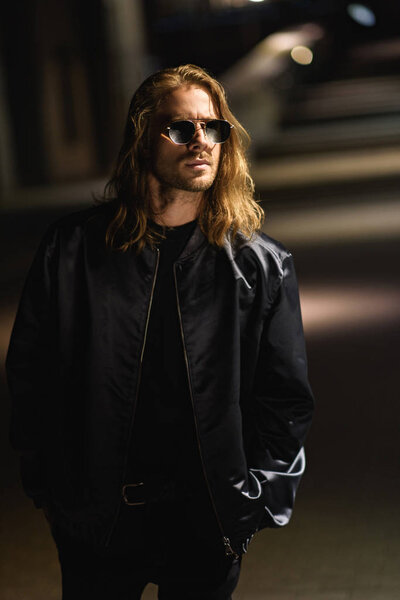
x=163, y=442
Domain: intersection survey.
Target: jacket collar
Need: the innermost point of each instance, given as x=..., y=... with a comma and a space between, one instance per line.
x=196, y=240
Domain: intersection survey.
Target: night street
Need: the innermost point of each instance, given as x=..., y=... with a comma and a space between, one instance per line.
x=178, y=108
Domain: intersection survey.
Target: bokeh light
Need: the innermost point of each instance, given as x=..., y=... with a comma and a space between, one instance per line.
x=362, y=14
x=302, y=55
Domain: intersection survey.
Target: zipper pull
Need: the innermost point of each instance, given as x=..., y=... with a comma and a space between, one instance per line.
x=228, y=548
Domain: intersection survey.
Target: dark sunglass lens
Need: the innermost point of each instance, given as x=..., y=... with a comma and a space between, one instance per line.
x=181, y=132
x=218, y=131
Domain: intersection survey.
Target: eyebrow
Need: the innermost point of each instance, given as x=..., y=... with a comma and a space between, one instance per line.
x=186, y=118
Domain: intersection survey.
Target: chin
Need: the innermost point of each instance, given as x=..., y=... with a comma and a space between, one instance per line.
x=197, y=185
x=201, y=183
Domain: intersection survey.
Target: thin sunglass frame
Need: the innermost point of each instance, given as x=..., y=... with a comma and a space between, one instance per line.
x=204, y=123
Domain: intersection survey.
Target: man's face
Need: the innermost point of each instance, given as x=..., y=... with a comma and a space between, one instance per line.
x=191, y=167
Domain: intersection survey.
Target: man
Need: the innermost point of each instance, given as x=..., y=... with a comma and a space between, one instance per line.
x=157, y=362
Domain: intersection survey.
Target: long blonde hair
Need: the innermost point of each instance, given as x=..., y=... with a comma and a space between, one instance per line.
x=228, y=205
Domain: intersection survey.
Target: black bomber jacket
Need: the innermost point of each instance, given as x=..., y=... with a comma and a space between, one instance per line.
x=73, y=369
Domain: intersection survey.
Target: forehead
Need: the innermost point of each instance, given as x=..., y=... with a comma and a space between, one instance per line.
x=187, y=102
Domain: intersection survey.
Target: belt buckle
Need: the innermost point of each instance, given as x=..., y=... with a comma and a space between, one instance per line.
x=125, y=489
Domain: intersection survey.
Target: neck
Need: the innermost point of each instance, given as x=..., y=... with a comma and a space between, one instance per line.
x=172, y=207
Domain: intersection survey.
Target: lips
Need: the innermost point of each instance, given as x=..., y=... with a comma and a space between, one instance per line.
x=198, y=163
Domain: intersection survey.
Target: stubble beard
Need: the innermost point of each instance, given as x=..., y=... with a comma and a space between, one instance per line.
x=171, y=180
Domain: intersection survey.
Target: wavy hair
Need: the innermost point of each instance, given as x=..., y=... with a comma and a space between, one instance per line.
x=227, y=206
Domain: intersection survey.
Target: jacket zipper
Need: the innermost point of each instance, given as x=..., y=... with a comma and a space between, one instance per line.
x=225, y=540
x=137, y=386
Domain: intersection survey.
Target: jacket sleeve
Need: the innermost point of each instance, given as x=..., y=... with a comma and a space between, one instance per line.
x=282, y=404
x=29, y=369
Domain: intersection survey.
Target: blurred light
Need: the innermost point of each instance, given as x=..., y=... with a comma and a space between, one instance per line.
x=342, y=308
x=362, y=14
x=284, y=41
x=269, y=58
x=256, y=0
x=302, y=55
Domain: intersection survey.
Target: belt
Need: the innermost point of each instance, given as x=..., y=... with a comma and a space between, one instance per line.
x=133, y=494
x=159, y=489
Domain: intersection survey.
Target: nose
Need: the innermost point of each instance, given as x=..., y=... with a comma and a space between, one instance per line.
x=199, y=141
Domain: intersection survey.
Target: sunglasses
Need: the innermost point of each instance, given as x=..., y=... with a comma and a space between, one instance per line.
x=217, y=131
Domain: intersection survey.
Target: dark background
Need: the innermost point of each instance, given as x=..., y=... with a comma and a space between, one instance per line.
x=325, y=158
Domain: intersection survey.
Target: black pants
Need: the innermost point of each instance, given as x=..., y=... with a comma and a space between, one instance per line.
x=163, y=543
